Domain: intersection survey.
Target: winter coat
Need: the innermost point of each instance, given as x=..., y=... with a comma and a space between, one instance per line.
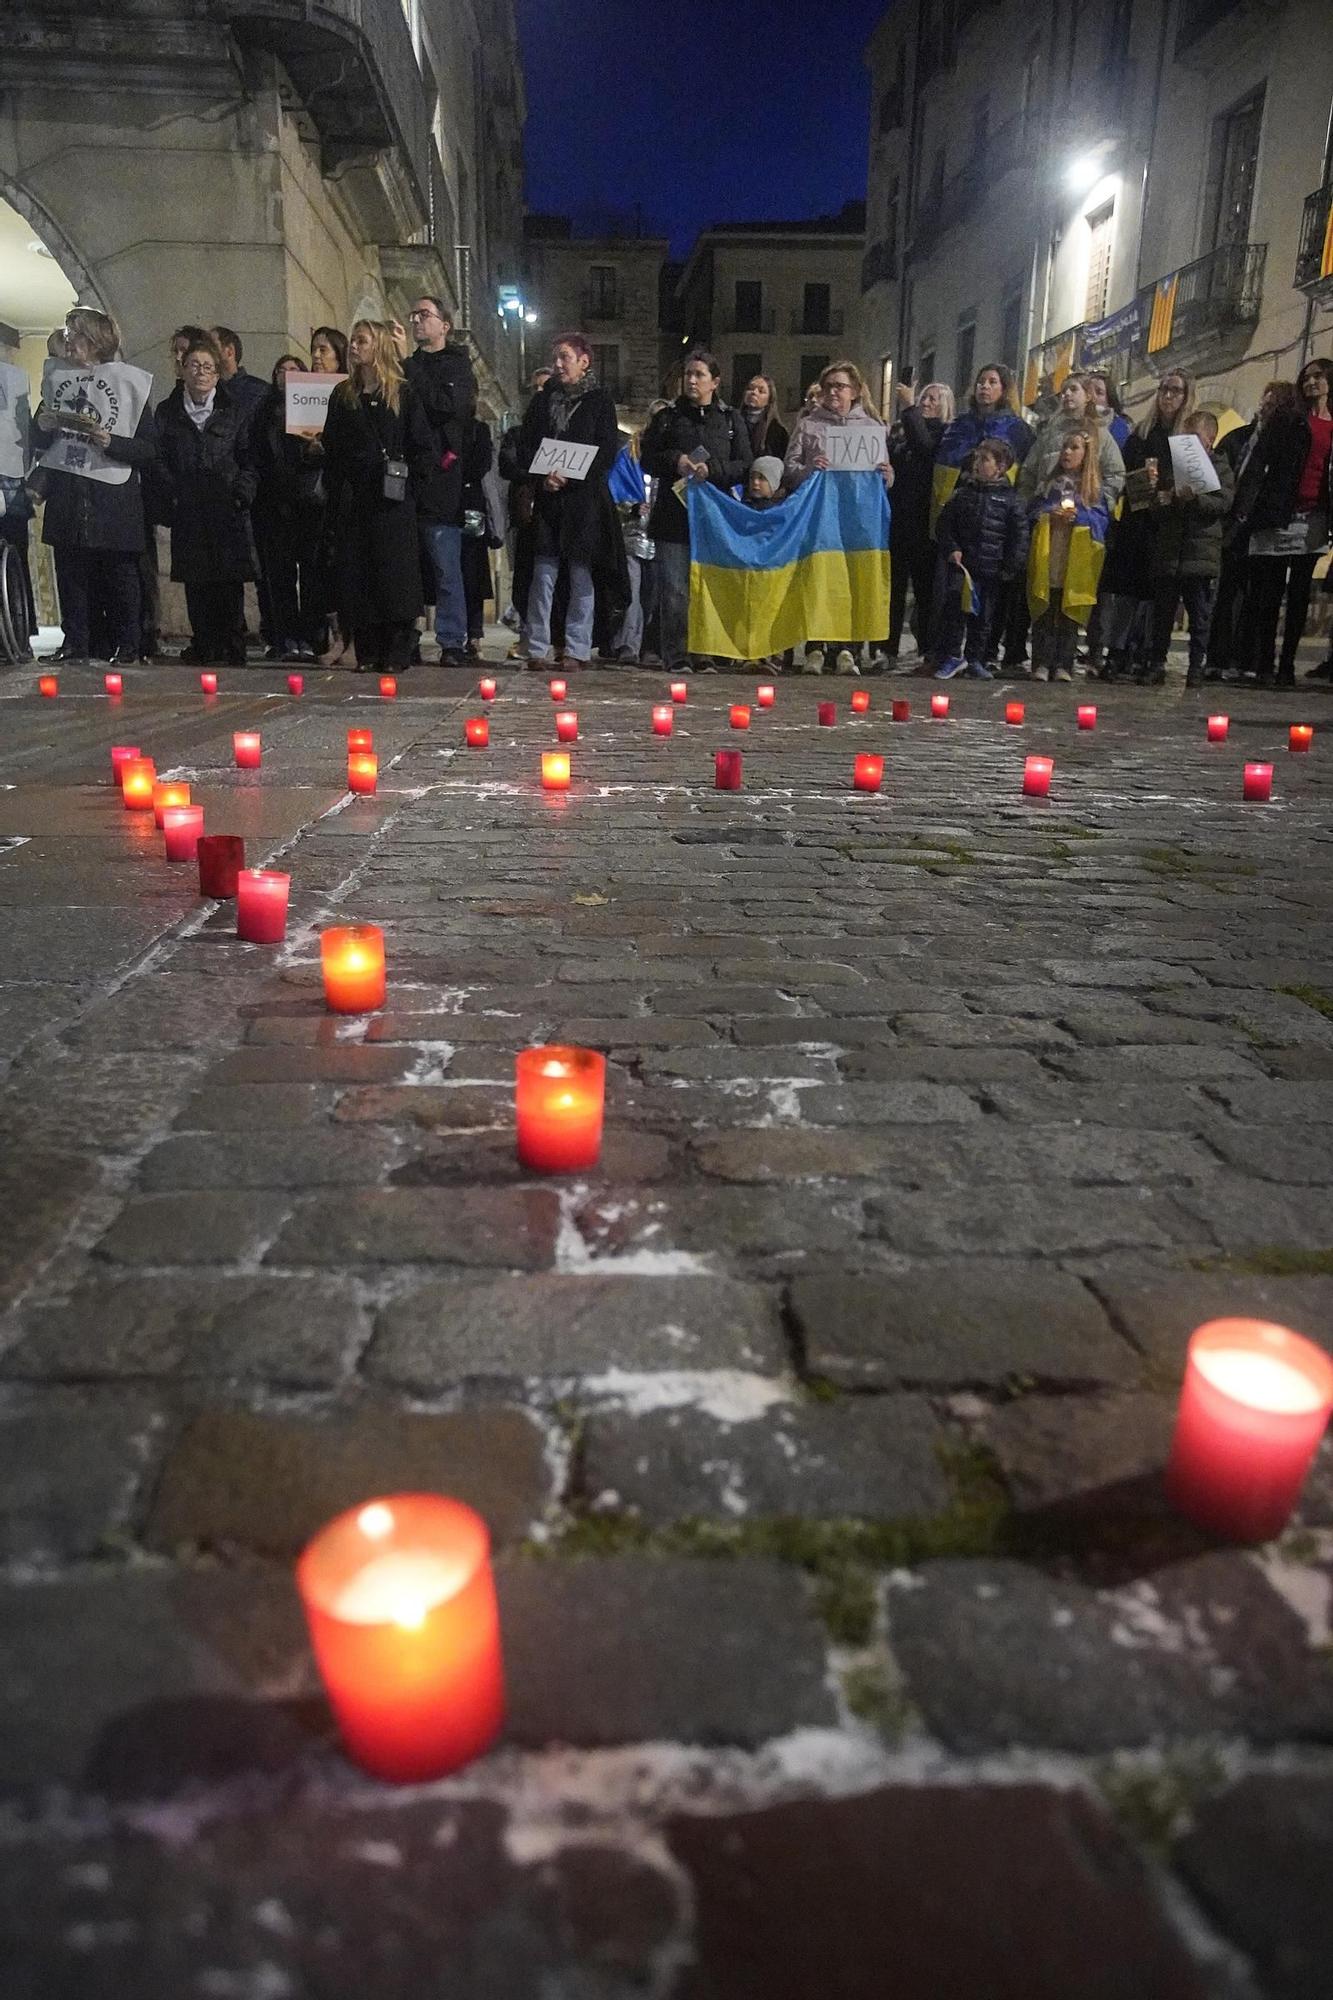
x=674, y=433
x=289, y=471
x=92, y=514
x=1268, y=477
x=1038, y=468
x=913, y=442
x=371, y=541
x=1189, y=532
x=447, y=389
x=769, y=438
x=810, y=440
x=210, y=483
x=249, y=393
x=987, y=523
x=578, y=522
x=1131, y=545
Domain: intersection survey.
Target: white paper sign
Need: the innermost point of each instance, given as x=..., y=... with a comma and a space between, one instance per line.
x=307, y=402
x=13, y=419
x=858, y=448
x=564, y=456
x=1191, y=464
x=112, y=395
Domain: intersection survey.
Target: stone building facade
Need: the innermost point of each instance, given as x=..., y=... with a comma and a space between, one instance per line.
x=608, y=285
x=1143, y=183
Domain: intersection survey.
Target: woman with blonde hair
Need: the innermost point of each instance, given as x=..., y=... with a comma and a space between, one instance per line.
x=378, y=445
x=1129, y=578
x=847, y=406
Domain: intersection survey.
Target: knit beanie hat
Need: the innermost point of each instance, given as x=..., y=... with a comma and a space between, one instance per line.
x=769, y=469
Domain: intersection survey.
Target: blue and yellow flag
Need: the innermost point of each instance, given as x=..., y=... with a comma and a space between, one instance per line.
x=1083, y=569
x=815, y=567
x=961, y=438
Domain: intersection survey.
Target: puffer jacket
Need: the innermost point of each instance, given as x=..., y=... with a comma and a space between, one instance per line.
x=676, y=432
x=987, y=523
x=1189, y=532
x=810, y=440
x=1038, y=468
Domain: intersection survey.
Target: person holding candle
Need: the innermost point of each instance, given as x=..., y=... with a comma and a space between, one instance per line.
x=1065, y=557
x=1187, y=557
x=1077, y=412
x=982, y=534
x=210, y=482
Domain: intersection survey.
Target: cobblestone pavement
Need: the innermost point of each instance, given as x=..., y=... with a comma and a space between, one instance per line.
x=851, y=1648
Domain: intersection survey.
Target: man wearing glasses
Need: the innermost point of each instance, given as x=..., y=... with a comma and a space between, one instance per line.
x=442, y=376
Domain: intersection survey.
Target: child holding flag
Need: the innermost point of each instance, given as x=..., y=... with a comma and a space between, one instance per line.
x=982, y=538
x=1065, y=557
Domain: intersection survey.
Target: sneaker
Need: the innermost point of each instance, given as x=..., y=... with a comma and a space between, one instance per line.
x=813, y=663
x=1323, y=672
x=846, y=663
x=947, y=670
x=880, y=662
x=1061, y=674
x=977, y=672
x=1041, y=673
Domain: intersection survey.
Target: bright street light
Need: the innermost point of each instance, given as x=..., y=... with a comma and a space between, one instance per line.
x=1082, y=172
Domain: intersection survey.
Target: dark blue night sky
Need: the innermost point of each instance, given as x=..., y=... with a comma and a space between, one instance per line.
x=696, y=111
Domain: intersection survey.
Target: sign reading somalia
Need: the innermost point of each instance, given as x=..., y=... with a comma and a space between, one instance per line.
x=109, y=397
x=306, y=401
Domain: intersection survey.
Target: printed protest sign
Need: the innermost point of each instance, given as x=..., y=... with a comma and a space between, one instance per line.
x=109, y=396
x=563, y=455
x=307, y=402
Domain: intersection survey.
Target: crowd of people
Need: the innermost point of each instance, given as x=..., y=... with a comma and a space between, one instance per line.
x=1068, y=531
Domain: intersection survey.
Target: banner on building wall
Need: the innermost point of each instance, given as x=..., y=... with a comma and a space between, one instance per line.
x=1163, y=313
x=13, y=420
x=109, y=397
x=306, y=401
x=1103, y=339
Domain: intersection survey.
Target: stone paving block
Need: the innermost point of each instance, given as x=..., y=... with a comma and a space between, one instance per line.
x=344, y=1062
x=183, y=1229
x=96, y=1103
x=926, y=1890
x=1278, y=1102
x=632, y=1649
x=69, y=1468
x=1159, y=1107
x=1134, y=973
x=798, y=1152
x=511, y=1228
x=1099, y=1454
x=1257, y=1859
x=247, y=1107
x=1019, y=1222
x=432, y=1107
x=977, y=1321
x=238, y=1478
x=447, y=1159
x=40, y=1195
x=939, y=1065
x=1181, y=1063
x=595, y=1327
x=300, y=1159
x=1275, y=1153
x=647, y=1032
x=888, y=1104
x=769, y=1223
x=289, y=1332
x=1240, y=1213
x=965, y=1031
x=868, y=1457
x=705, y=1064
x=1159, y=1308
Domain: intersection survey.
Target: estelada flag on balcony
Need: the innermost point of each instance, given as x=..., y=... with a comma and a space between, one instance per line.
x=1163, y=312
x=1326, y=261
x=1083, y=565
x=814, y=567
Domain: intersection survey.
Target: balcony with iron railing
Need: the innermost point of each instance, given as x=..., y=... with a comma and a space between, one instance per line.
x=1314, y=259
x=1206, y=311
x=819, y=326
x=879, y=263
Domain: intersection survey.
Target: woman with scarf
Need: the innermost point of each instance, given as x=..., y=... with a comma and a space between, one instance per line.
x=574, y=519
x=769, y=436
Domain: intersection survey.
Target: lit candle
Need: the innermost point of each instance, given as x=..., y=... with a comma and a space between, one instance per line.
x=360, y=739
x=1014, y=711
x=221, y=859
x=827, y=713
x=245, y=746
x=766, y=695
x=121, y=755
x=901, y=710
x=560, y=1099
x=566, y=725
x=1253, y=1407
x=664, y=719
x=209, y=683
x=352, y=960
x=559, y=689
x=296, y=683
x=939, y=706
x=740, y=716
x=137, y=778
x=181, y=828
x=48, y=685
x=261, y=905
x=400, y=1603
x=388, y=686
x=363, y=770
x=1037, y=777
x=114, y=685
x=860, y=701
x=486, y=689
x=727, y=768
x=168, y=792
x=477, y=731
x=1258, y=782
x=868, y=773
x=1218, y=725
x=1086, y=716
x=680, y=691
x=1300, y=736
x=555, y=770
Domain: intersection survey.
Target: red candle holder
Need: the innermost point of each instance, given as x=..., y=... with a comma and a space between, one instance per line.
x=860, y=701
x=137, y=778
x=48, y=685
x=296, y=684
x=765, y=696
x=121, y=755
x=221, y=858
x=363, y=772
x=664, y=719
x=901, y=710
x=1253, y=1407
x=566, y=725
x=261, y=905
x=168, y=792
x=1086, y=716
x=477, y=731
x=181, y=828
x=388, y=687
x=114, y=685
x=939, y=706
x=246, y=749
x=826, y=713
x=1218, y=727
x=555, y=770
x=559, y=689
x=740, y=716
x=727, y=771
x=486, y=689
x=680, y=691
x=351, y=958
x=868, y=773
x=400, y=1604
x=1257, y=783
x=560, y=1097
x=360, y=739
x=1300, y=736
x=1037, y=777
x=209, y=683
x=1014, y=712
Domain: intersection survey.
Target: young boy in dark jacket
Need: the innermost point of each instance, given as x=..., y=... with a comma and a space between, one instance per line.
x=982, y=530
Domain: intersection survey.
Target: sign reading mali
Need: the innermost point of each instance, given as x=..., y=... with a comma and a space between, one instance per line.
x=307, y=402
x=109, y=397
x=563, y=456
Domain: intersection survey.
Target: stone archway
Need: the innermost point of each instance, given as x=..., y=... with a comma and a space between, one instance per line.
x=45, y=226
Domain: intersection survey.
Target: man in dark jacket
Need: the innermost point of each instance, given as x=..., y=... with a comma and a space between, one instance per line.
x=442, y=376
x=696, y=437
x=982, y=530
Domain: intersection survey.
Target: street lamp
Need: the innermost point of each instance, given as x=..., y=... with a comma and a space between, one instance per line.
x=1082, y=172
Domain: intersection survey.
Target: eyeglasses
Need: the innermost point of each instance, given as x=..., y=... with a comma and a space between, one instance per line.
x=840, y=385
x=201, y=367
x=429, y=313
x=1172, y=389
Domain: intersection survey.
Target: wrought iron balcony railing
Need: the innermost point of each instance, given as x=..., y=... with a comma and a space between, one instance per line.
x=1314, y=259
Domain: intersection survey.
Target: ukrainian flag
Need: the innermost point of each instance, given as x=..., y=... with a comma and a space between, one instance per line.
x=1083, y=570
x=962, y=437
x=814, y=567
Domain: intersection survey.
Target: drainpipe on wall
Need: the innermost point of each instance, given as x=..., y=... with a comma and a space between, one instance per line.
x=913, y=140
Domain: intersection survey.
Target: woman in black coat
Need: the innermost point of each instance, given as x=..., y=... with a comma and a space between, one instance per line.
x=575, y=520
x=1265, y=525
x=378, y=444
x=1128, y=580
x=913, y=443
x=96, y=527
x=288, y=517
x=769, y=436
x=210, y=480
x=478, y=541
